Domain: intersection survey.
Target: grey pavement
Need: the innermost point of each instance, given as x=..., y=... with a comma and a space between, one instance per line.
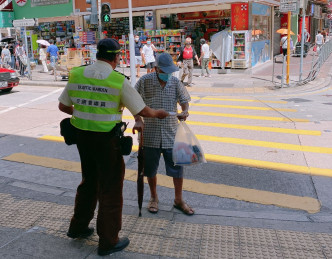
x=257, y=80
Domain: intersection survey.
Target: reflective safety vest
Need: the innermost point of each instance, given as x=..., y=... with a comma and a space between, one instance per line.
x=96, y=102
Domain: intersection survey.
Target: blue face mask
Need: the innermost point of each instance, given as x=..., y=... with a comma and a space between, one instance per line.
x=164, y=77
x=148, y=42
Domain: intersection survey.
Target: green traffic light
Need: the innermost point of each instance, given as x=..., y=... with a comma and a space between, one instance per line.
x=106, y=18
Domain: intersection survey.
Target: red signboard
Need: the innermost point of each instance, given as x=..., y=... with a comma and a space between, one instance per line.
x=240, y=16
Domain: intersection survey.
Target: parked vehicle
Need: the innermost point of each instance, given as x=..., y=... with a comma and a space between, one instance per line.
x=8, y=79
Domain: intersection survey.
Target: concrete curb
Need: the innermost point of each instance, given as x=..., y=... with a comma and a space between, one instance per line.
x=43, y=83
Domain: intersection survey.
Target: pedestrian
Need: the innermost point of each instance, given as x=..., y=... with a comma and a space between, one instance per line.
x=161, y=90
x=21, y=57
x=186, y=56
x=205, y=58
x=324, y=34
x=5, y=57
x=319, y=40
x=284, y=44
x=12, y=59
x=43, y=58
x=138, y=54
x=94, y=96
x=53, y=53
x=148, y=56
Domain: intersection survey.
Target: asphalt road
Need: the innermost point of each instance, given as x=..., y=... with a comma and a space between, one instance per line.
x=268, y=156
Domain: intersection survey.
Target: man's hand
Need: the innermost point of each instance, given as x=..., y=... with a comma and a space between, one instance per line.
x=152, y=113
x=161, y=114
x=183, y=115
x=139, y=126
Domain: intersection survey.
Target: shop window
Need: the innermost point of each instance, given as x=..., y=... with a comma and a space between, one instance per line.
x=260, y=28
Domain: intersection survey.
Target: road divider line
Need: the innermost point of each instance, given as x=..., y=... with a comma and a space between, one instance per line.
x=248, y=127
x=308, y=204
x=235, y=100
x=268, y=144
x=252, y=117
x=290, y=168
x=243, y=107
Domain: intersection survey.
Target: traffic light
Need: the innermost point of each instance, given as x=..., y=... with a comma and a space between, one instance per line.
x=93, y=18
x=105, y=15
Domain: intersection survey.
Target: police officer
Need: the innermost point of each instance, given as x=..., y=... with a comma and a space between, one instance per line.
x=94, y=96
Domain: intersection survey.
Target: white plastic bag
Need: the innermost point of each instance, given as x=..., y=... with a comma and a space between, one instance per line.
x=186, y=149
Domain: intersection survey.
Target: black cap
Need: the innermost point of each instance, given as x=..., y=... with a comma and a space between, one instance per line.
x=108, y=46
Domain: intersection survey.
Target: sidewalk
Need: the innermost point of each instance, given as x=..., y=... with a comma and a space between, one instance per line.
x=33, y=224
x=257, y=80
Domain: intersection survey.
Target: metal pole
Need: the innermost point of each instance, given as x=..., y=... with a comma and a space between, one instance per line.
x=302, y=44
x=283, y=71
x=27, y=52
x=288, y=46
x=99, y=21
x=131, y=46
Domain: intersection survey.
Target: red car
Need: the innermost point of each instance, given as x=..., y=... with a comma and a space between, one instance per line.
x=8, y=79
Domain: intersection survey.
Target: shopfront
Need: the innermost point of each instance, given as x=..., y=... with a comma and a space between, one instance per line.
x=55, y=20
x=260, y=34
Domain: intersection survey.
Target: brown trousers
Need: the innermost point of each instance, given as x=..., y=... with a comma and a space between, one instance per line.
x=102, y=180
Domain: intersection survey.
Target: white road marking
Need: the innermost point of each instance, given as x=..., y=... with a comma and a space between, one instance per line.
x=31, y=101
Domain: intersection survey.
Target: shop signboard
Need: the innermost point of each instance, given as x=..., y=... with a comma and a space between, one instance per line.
x=24, y=22
x=288, y=6
x=6, y=19
x=47, y=2
x=204, y=15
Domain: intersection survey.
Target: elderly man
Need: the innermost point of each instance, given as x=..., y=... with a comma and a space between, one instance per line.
x=160, y=90
x=186, y=56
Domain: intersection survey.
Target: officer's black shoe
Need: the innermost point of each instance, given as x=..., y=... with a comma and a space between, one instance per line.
x=122, y=244
x=83, y=234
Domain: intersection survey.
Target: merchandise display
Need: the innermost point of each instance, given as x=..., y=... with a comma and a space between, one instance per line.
x=240, y=49
x=60, y=30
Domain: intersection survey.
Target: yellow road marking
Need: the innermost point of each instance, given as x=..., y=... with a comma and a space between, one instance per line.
x=308, y=204
x=257, y=128
x=299, y=169
x=243, y=107
x=235, y=100
x=259, y=143
x=241, y=116
x=248, y=127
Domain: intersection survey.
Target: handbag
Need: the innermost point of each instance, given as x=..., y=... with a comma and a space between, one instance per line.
x=68, y=131
x=315, y=48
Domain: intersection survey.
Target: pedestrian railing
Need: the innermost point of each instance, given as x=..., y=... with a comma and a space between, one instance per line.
x=311, y=67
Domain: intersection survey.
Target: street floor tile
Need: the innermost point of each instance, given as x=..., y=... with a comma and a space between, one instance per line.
x=145, y=244
x=258, y=236
x=260, y=252
x=151, y=226
x=180, y=248
x=216, y=249
x=297, y=240
x=185, y=230
x=221, y=233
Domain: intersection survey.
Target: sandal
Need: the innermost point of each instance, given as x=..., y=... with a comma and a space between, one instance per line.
x=185, y=208
x=153, y=205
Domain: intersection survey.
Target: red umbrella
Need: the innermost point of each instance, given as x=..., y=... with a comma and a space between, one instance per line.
x=140, y=175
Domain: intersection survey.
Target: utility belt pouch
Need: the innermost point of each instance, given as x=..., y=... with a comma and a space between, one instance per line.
x=68, y=131
x=126, y=142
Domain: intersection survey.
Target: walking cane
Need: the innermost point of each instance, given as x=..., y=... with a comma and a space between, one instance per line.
x=140, y=175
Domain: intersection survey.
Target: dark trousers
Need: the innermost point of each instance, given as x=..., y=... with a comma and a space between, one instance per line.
x=102, y=180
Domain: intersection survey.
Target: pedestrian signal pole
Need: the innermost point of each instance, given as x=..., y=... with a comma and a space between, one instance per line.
x=288, y=45
x=131, y=47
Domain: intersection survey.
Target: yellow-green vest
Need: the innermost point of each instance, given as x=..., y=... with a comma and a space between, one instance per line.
x=96, y=102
